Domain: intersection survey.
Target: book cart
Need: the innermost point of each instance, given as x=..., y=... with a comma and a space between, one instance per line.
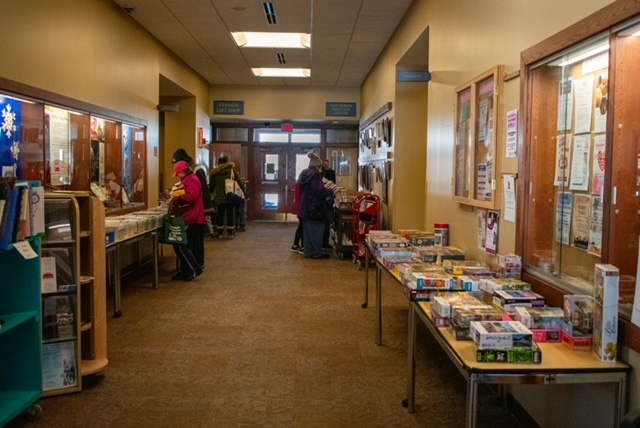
x=367, y=216
x=342, y=226
x=20, y=334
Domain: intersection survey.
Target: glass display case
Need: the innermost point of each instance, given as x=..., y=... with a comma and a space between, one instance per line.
x=477, y=132
x=71, y=150
x=581, y=168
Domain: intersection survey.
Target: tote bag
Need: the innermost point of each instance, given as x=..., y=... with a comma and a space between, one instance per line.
x=174, y=230
x=233, y=190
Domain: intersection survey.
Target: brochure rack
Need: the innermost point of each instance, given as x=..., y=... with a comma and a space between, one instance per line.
x=20, y=339
x=366, y=216
x=73, y=291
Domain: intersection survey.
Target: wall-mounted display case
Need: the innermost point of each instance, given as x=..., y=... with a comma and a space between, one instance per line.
x=580, y=181
x=67, y=149
x=478, y=129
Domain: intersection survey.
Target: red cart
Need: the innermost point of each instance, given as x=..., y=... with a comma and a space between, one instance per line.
x=367, y=216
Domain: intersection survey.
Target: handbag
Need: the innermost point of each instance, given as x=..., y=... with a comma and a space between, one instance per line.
x=233, y=190
x=174, y=230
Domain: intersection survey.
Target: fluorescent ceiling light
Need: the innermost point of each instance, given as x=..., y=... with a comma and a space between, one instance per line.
x=272, y=40
x=585, y=55
x=281, y=72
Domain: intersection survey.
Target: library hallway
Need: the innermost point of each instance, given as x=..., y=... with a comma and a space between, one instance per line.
x=264, y=338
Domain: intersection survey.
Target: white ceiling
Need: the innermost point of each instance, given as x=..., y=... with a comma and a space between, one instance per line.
x=347, y=36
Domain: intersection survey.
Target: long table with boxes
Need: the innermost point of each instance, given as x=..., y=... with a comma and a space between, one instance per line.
x=130, y=229
x=494, y=327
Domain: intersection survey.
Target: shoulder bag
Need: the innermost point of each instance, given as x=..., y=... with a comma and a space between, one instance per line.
x=233, y=190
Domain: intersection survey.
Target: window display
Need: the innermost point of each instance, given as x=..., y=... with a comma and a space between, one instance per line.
x=70, y=150
x=582, y=162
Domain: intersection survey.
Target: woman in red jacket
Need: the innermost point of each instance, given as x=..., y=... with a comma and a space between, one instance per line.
x=188, y=204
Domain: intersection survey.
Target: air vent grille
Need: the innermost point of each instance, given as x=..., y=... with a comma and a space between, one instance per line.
x=270, y=13
x=281, y=58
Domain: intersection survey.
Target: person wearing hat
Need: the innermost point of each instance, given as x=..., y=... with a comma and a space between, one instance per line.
x=224, y=206
x=188, y=204
x=201, y=172
x=313, y=208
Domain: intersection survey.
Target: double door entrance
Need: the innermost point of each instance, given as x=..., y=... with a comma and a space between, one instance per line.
x=275, y=171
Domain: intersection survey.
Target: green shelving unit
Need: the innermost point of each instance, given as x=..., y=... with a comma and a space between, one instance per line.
x=20, y=334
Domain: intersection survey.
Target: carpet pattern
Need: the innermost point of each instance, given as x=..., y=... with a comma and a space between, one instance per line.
x=264, y=338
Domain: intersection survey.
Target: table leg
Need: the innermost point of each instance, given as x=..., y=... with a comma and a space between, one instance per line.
x=472, y=400
x=154, y=279
x=379, y=305
x=621, y=395
x=411, y=361
x=366, y=277
x=116, y=282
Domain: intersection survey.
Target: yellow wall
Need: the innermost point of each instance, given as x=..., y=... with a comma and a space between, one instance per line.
x=284, y=103
x=92, y=51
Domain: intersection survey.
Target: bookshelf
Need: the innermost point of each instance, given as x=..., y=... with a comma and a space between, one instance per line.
x=20, y=333
x=74, y=304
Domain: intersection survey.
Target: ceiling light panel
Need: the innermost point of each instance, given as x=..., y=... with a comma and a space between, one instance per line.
x=281, y=72
x=272, y=40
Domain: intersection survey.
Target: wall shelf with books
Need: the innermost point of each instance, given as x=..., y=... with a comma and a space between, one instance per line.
x=20, y=332
x=74, y=254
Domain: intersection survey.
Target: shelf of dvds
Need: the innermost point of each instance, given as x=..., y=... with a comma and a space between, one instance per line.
x=74, y=295
x=20, y=337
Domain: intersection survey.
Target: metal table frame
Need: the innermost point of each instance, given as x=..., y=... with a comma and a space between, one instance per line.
x=547, y=373
x=113, y=261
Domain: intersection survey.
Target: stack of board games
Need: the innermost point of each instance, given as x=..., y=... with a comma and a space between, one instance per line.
x=463, y=316
x=504, y=341
x=509, y=300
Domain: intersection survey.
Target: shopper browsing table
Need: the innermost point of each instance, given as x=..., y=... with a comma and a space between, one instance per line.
x=187, y=203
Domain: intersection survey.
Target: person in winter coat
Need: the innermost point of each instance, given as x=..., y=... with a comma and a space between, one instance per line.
x=188, y=204
x=298, y=242
x=201, y=173
x=313, y=208
x=224, y=206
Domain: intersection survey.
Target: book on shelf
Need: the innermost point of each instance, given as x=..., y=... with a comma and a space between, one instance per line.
x=19, y=208
x=58, y=317
x=58, y=269
x=9, y=218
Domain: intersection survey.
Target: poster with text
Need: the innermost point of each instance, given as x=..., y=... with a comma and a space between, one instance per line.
x=512, y=134
x=491, y=239
x=580, y=161
x=59, y=365
x=564, y=204
x=583, y=89
x=580, y=221
x=563, y=154
x=601, y=103
x=565, y=104
x=595, y=227
x=599, y=158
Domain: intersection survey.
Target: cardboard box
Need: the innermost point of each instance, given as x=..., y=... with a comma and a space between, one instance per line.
x=509, y=300
x=578, y=315
x=500, y=334
x=463, y=315
x=456, y=267
x=531, y=355
x=577, y=343
x=545, y=318
x=605, y=332
x=606, y=285
x=550, y=336
x=431, y=281
x=443, y=303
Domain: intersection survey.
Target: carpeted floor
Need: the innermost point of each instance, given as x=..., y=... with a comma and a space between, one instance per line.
x=264, y=338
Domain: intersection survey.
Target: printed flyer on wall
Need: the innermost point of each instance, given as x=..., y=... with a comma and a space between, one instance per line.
x=595, y=229
x=563, y=155
x=580, y=222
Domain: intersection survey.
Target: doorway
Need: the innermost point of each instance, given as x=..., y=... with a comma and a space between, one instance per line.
x=276, y=170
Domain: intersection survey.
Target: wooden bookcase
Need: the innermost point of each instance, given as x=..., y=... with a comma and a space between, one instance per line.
x=75, y=235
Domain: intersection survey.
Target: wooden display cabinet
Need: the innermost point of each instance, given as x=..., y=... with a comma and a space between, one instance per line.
x=479, y=128
x=579, y=188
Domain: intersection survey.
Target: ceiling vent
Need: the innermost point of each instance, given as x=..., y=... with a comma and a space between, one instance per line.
x=270, y=13
x=281, y=58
